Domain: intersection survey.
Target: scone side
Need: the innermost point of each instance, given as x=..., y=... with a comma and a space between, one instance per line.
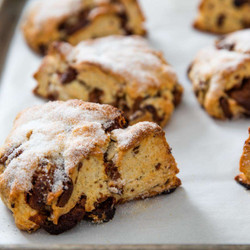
x=144, y=171
x=244, y=177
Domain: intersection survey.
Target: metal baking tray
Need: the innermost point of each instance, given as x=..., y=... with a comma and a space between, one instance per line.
x=189, y=221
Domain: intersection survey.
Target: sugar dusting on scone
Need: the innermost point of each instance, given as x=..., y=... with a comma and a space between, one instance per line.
x=223, y=16
x=221, y=76
x=68, y=161
x=76, y=20
x=122, y=71
x=244, y=177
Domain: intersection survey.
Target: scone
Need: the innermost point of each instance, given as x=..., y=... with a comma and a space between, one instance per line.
x=223, y=16
x=122, y=71
x=76, y=20
x=221, y=76
x=68, y=161
x=244, y=177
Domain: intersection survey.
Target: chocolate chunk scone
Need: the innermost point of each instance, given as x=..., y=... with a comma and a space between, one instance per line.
x=221, y=76
x=76, y=20
x=244, y=177
x=223, y=16
x=68, y=161
x=122, y=71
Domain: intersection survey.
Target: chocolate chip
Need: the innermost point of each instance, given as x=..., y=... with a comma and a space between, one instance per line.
x=68, y=76
x=65, y=196
x=220, y=20
x=42, y=49
x=136, y=150
x=241, y=94
x=239, y=3
x=53, y=96
x=95, y=95
x=42, y=182
x=158, y=166
x=103, y=211
x=79, y=166
x=156, y=118
x=67, y=221
x=225, y=107
x=221, y=44
x=124, y=23
x=70, y=28
x=117, y=123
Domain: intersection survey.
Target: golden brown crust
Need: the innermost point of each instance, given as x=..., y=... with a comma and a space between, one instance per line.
x=221, y=77
x=132, y=76
x=76, y=20
x=244, y=177
x=68, y=161
x=222, y=17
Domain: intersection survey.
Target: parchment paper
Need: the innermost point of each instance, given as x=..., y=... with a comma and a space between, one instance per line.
x=210, y=207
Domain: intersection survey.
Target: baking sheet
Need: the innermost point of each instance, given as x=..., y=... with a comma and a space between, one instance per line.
x=209, y=208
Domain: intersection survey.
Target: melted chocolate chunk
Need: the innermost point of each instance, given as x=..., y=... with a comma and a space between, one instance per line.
x=136, y=150
x=42, y=182
x=151, y=109
x=67, y=191
x=220, y=20
x=124, y=23
x=5, y=157
x=95, y=95
x=67, y=221
x=42, y=49
x=242, y=94
x=225, y=107
x=222, y=45
x=110, y=168
x=104, y=211
x=158, y=166
x=118, y=122
x=68, y=76
x=239, y=3
x=70, y=28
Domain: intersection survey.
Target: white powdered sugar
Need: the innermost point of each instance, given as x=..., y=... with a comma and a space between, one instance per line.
x=130, y=57
x=52, y=9
x=125, y=137
x=61, y=133
x=210, y=61
x=240, y=41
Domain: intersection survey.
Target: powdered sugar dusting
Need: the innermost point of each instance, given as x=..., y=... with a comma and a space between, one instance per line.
x=58, y=9
x=51, y=9
x=130, y=57
x=210, y=61
x=61, y=133
x=125, y=137
x=240, y=40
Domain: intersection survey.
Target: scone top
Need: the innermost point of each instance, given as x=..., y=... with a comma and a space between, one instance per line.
x=238, y=41
x=141, y=68
x=76, y=20
x=59, y=132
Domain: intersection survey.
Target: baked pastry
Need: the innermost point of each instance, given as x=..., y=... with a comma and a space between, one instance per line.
x=68, y=161
x=244, y=177
x=76, y=20
x=221, y=76
x=122, y=71
x=223, y=16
